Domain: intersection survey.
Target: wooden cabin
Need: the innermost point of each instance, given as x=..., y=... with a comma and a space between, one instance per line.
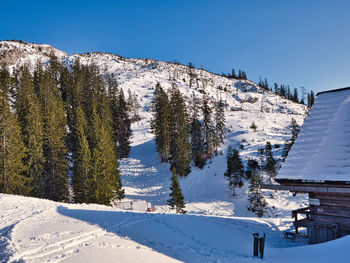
x=319, y=164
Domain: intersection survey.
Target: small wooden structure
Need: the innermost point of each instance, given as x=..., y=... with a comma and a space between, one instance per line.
x=319, y=164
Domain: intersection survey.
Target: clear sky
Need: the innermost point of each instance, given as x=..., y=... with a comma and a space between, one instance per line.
x=299, y=43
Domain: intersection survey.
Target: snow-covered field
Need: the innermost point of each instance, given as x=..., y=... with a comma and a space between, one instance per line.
x=217, y=227
x=34, y=230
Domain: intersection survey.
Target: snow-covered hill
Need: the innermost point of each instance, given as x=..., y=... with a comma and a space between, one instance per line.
x=144, y=177
x=40, y=231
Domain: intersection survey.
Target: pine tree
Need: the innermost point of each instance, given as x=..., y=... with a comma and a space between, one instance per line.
x=295, y=96
x=256, y=200
x=239, y=74
x=105, y=166
x=55, y=175
x=160, y=124
x=233, y=74
x=244, y=75
x=310, y=98
x=180, y=147
x=196, y=136
x=122, y=127
x=120, y=119
x=220, y=124
x=177, y=199
x=83, y=182
x=251, y=166
x=270, y=161
x=295, y=131
x=235, y=171
x=253, y=126
x=30, y=119
x=12, y=149
x=208, y=128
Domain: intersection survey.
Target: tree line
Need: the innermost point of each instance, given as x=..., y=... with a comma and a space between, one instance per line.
x=181, y=136
x=306, y=98
x=62, y=127
x=241, y=75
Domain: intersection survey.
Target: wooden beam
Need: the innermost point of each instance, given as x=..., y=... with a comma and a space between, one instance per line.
x=307, y=189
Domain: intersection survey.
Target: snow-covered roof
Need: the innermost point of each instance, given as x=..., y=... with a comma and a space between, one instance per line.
x=321, y=151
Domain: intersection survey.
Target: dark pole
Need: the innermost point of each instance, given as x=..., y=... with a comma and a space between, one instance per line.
x=262, y=245
x=256, y=244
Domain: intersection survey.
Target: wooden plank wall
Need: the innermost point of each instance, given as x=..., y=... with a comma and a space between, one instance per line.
x=331, y=218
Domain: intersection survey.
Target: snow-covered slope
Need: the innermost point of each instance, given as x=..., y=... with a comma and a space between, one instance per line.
x=41, y=231
x=144, y=177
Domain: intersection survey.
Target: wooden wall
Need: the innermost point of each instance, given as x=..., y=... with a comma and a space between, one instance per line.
x=329, y=215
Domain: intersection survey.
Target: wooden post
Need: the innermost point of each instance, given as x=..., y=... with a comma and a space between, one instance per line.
x=256, y=244
x=262, y=245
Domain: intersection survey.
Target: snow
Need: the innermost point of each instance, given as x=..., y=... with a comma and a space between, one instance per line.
x=217, y=227
x=36, y=230
x=324, y=139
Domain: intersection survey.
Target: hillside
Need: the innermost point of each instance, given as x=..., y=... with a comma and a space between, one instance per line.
x=37, y=230
x=144, y=178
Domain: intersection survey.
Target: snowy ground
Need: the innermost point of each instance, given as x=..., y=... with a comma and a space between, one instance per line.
x=34, y=230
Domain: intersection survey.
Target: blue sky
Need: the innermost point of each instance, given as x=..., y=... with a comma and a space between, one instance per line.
x=300, y=43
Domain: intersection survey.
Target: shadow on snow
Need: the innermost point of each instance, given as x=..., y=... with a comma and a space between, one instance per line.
x=188, y=238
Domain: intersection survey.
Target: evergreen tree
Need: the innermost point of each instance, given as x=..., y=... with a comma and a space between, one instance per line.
x=251, y=166
x=54, y=134
x=220, y=124
x=83, y=182
x=12, y=149
x=270, y=161
x=208, y=128
x=180, y=147
x=121, y=126
x=30, y=119
x=283, y=91
x=266, y=84
x=233, y=74
x=235, y=171
x=196, y=136
x=239, y=74
x=295, y=96
x=253, y=126
x=256, y=200
x=105, y=166
x=160, y=124
x=177, y=199
x=244, y=75
x=310, y=98
x=295, y=131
